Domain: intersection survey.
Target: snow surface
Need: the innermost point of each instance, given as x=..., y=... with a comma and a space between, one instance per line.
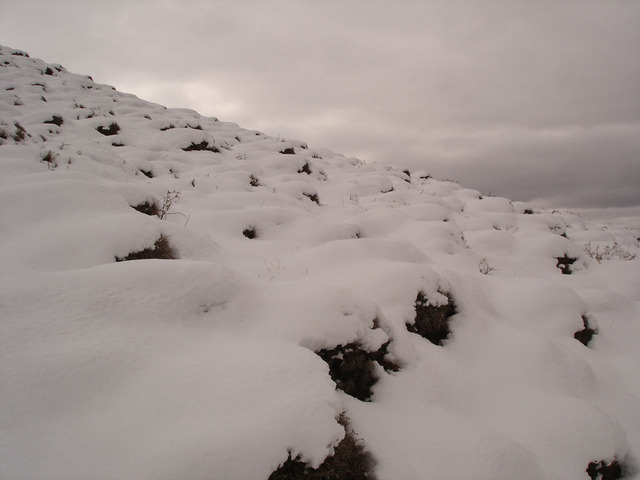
x=203, y=367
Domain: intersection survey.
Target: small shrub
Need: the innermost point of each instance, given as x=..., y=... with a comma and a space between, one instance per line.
x=202, y=146
x=528, y=211
x=56, y=120
x=48, y=71
x=350, y=461
x=432, y=322
x=288, y=151
x=50, y=159
x=167, y=202
x=112, y=129
x=161, y=250
x=608, y=252
x=20, y=133
x=585, y=335
x=564, y=264
x=485, y=268
x=253, y=181
x=305, y=169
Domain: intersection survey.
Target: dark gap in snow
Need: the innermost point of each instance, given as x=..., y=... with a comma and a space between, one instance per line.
x=112, y=129
x=564, y=264
x=528, y=211
x=202, y=146
x=602, y=471
x=432, y=321
x=305, y=169
x=146, y=173
x=288, y=151
x=161, y=250
x=585, y=335
x=350, y=461
x=168, y=127
x=353, y=369
x=55, y=120
x=148, y=208
x=313, y=197
x=250, y=232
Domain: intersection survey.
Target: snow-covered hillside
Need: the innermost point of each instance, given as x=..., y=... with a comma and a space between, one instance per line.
x=184, y=298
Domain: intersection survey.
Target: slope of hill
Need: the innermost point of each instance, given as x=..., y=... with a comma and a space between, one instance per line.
x=184, y=298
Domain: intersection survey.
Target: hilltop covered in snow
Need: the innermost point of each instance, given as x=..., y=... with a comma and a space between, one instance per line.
x=185, y=298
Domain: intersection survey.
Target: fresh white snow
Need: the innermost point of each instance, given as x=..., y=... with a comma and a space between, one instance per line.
x=203, y=367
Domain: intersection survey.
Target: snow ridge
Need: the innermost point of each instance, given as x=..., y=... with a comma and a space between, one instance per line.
x=262, y=266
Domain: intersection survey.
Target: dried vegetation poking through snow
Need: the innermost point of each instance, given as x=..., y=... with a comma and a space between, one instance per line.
x=303, y=288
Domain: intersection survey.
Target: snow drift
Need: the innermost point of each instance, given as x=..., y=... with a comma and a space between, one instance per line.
x=272, y=273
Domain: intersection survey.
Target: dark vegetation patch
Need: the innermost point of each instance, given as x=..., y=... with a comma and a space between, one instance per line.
x=305, y=169
x=250, y=232
x=112, y=129
x=50, y=159
x=168, y=127
x=313, y=197
x=197, y=127
x=288, y=151
x=117, y=144
x=602, y=471
x=432, y=322
x=202, y=146
x=48, y=71
x=147, y=207
x=55, y=120
x=564, y=264
x=353, y=369
x=20, y=133
x=528, y=211
x=585, y=335
x=254, y=181
x=161, y=249
x=146, y=173
x=350, y=461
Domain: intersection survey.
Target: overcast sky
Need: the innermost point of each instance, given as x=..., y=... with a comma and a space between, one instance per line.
x=534, y=100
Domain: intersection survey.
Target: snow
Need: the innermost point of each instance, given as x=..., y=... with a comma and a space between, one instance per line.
x=204, y=367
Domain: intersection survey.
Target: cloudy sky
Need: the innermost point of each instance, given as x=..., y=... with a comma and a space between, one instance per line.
x=534, y=100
